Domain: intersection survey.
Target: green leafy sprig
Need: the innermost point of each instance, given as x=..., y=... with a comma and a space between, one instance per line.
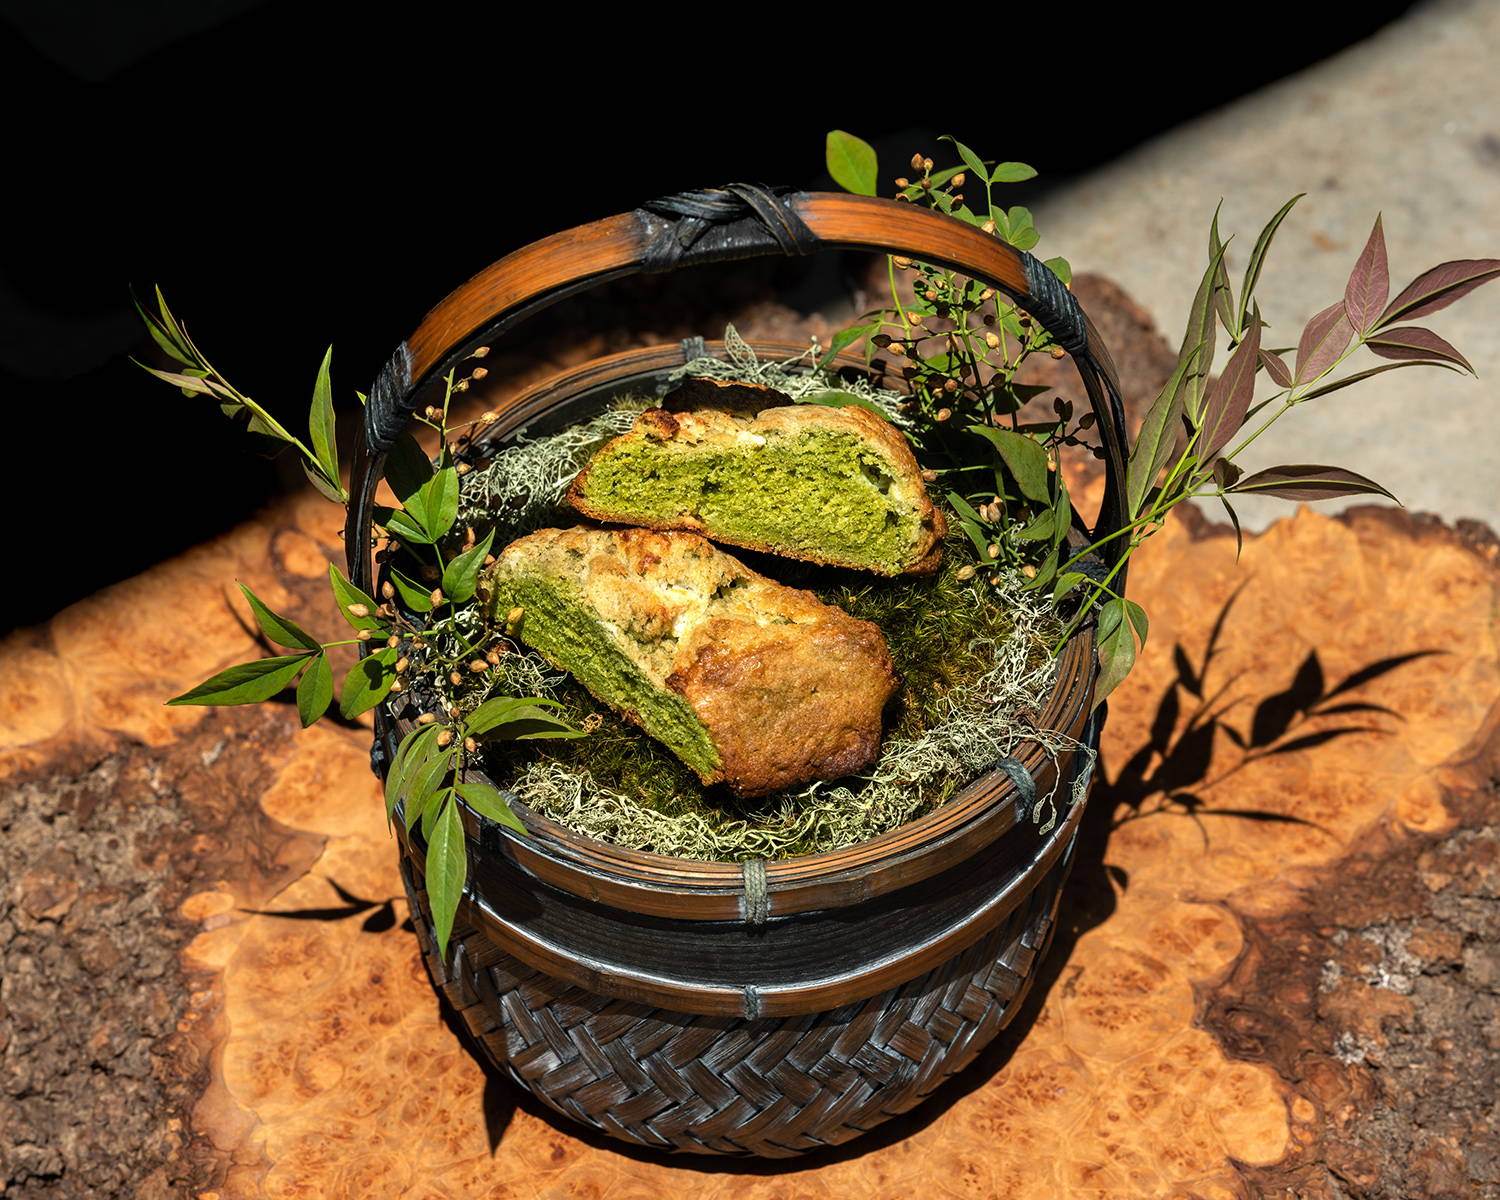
x=1192, y=434
x=435, y=636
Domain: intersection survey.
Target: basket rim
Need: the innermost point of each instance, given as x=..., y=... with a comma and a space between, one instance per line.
x=664, y=885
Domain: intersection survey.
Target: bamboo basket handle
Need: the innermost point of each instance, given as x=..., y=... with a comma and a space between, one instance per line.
x=738, y=221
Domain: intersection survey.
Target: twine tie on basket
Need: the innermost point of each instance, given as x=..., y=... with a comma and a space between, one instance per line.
x=696, y=212
x=1025, y=784
x=757, y=899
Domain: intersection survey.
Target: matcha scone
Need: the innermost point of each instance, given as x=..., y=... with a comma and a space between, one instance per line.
x=750, y=683
x=828, y=485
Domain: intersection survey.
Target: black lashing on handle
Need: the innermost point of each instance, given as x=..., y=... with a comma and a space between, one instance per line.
x=1054, y=306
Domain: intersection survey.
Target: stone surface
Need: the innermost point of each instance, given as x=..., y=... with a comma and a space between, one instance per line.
x=1406, y=123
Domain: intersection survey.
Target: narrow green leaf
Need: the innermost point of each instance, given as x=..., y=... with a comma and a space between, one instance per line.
x=1234, y=519
x=1066, y=582
x=426, y=786
x=1062, y=507
x=1156, y=440
x=347, y=596
x=440, y=502
x=852, y=163
x=405, y=527
x=315, y=690
x=503, y=709
x=1258, y=257
x=1138, y=618
x=413, y=594
x=971, y=160
x=972, y=524
x=321, y=485
x=1116, y=656
x=368, y=682
x=407, y=468
x=1223, y=297
x=320, y=422
x=489, y=803
x=1012, y=172
x=279, y=629
x=845, y=338
x=188, y=383
x=447, y=872
x=462, y=573
x=1111, y=613
x=1046, y=572
x=1023, y=457
x=1200, y=333
x=415, y=752
x=247, y=683
x=161, y=334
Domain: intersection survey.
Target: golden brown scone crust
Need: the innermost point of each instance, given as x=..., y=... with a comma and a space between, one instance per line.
x=789, y=688
x=726, y=414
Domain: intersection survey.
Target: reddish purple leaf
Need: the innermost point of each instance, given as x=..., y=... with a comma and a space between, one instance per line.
x=1322, y=341
x=1436, y=289
x=1224, y=410
x=1369, y=283
x=1276, y=369
x=1303, y=482
x=1411, y=341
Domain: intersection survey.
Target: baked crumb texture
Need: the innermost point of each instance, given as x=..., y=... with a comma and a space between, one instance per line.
x=746, y=466
x=750, y=683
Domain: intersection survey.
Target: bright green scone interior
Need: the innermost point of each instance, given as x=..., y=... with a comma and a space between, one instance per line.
x=565, y=633
x=822, y=493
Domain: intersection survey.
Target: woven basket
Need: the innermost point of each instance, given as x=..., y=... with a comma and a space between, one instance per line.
x=756, y=1008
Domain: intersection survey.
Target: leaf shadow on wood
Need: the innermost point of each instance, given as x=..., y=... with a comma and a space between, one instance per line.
x=1169, y=775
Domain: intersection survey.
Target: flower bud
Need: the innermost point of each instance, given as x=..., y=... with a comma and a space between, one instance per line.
x=901, y=262
x=462, y=468
x=992, y=340
x=958, y=180
x=950, y=386
x=426, y=718
x=493, y=658
x=479, y=373
x=387, y=590
x=1029, y=571
x=1058, y=352
x=445, y=737
x=488, y=417
x=944, y=413
x=470, y=745
x=432, y=412
x=916, y=162
x=479, y=666
x=398, y=687
x=903, y=182
x=988, y=227
x=362, y=635
x=455, y=678
x=481, y=352
x=401, y=665
x=964, y=573
x=987, y=294
x=993, y=550
x=929, y=476
x=358, y=610
x=393, y=641
x=436, y=596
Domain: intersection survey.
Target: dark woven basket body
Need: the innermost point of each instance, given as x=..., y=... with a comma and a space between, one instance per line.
x=748, y=1009
x=773, y=1087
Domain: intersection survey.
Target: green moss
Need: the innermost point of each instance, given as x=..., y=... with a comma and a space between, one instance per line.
x=821, y=493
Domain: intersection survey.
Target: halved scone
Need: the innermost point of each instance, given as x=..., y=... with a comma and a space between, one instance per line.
x=750, y=683
x=745, y=466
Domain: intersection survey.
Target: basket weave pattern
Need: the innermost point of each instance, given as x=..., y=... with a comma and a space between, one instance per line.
x=773, y=1087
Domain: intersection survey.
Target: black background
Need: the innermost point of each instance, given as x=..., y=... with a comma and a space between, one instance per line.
x=293, y=176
